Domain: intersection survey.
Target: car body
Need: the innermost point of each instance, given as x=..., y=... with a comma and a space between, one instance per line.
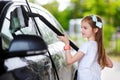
x=13, y=23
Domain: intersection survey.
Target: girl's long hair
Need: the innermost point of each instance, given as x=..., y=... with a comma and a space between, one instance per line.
x=99, y=40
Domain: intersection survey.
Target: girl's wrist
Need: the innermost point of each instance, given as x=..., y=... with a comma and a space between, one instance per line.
x=67, y=43
x=67, y=47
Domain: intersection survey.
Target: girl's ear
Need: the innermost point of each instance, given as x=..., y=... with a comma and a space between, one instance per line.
x=95, y=30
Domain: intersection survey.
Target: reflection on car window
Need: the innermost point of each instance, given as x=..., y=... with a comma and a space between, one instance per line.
x=24, y=26
x=48, y=16
x=48, y=35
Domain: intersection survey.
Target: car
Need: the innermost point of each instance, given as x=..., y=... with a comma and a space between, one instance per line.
x=22, y=21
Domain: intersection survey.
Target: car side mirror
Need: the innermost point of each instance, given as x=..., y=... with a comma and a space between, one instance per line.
x=27, y=45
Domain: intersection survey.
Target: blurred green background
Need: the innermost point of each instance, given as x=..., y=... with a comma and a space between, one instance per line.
x=108, y=10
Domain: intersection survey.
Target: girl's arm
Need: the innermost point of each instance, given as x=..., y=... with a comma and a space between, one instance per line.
x=71, y=59
x=108, y=62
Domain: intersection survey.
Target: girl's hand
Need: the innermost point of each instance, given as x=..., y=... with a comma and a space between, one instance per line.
x=109, y=62
x=64, y=39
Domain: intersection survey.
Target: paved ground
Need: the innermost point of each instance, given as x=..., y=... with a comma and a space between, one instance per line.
x=111, y=73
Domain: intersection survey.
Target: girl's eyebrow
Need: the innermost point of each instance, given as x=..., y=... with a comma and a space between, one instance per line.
x=83, y=26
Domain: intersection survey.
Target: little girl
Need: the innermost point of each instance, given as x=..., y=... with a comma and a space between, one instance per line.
x=91, y=55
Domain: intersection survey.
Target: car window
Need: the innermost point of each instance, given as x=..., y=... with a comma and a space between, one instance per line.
x=25, y=24
x=14, y=24
x=47, y=15
x=5, y=32
x=48, y=35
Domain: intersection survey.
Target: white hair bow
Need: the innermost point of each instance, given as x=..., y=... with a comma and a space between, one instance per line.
x=98, y=24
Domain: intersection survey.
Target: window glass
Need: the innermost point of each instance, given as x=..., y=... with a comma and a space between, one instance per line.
x=13, y=23
x=47, y=16
x=5, y=32
x=48, y=35
x=27, y=26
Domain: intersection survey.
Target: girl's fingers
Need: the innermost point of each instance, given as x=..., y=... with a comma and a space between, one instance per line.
x=64, y=39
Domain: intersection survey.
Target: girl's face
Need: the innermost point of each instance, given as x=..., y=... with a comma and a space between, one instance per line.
x=87, y=31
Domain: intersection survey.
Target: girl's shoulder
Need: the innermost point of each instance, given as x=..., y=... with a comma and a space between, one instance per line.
x=89, y=44
x=92, y=42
